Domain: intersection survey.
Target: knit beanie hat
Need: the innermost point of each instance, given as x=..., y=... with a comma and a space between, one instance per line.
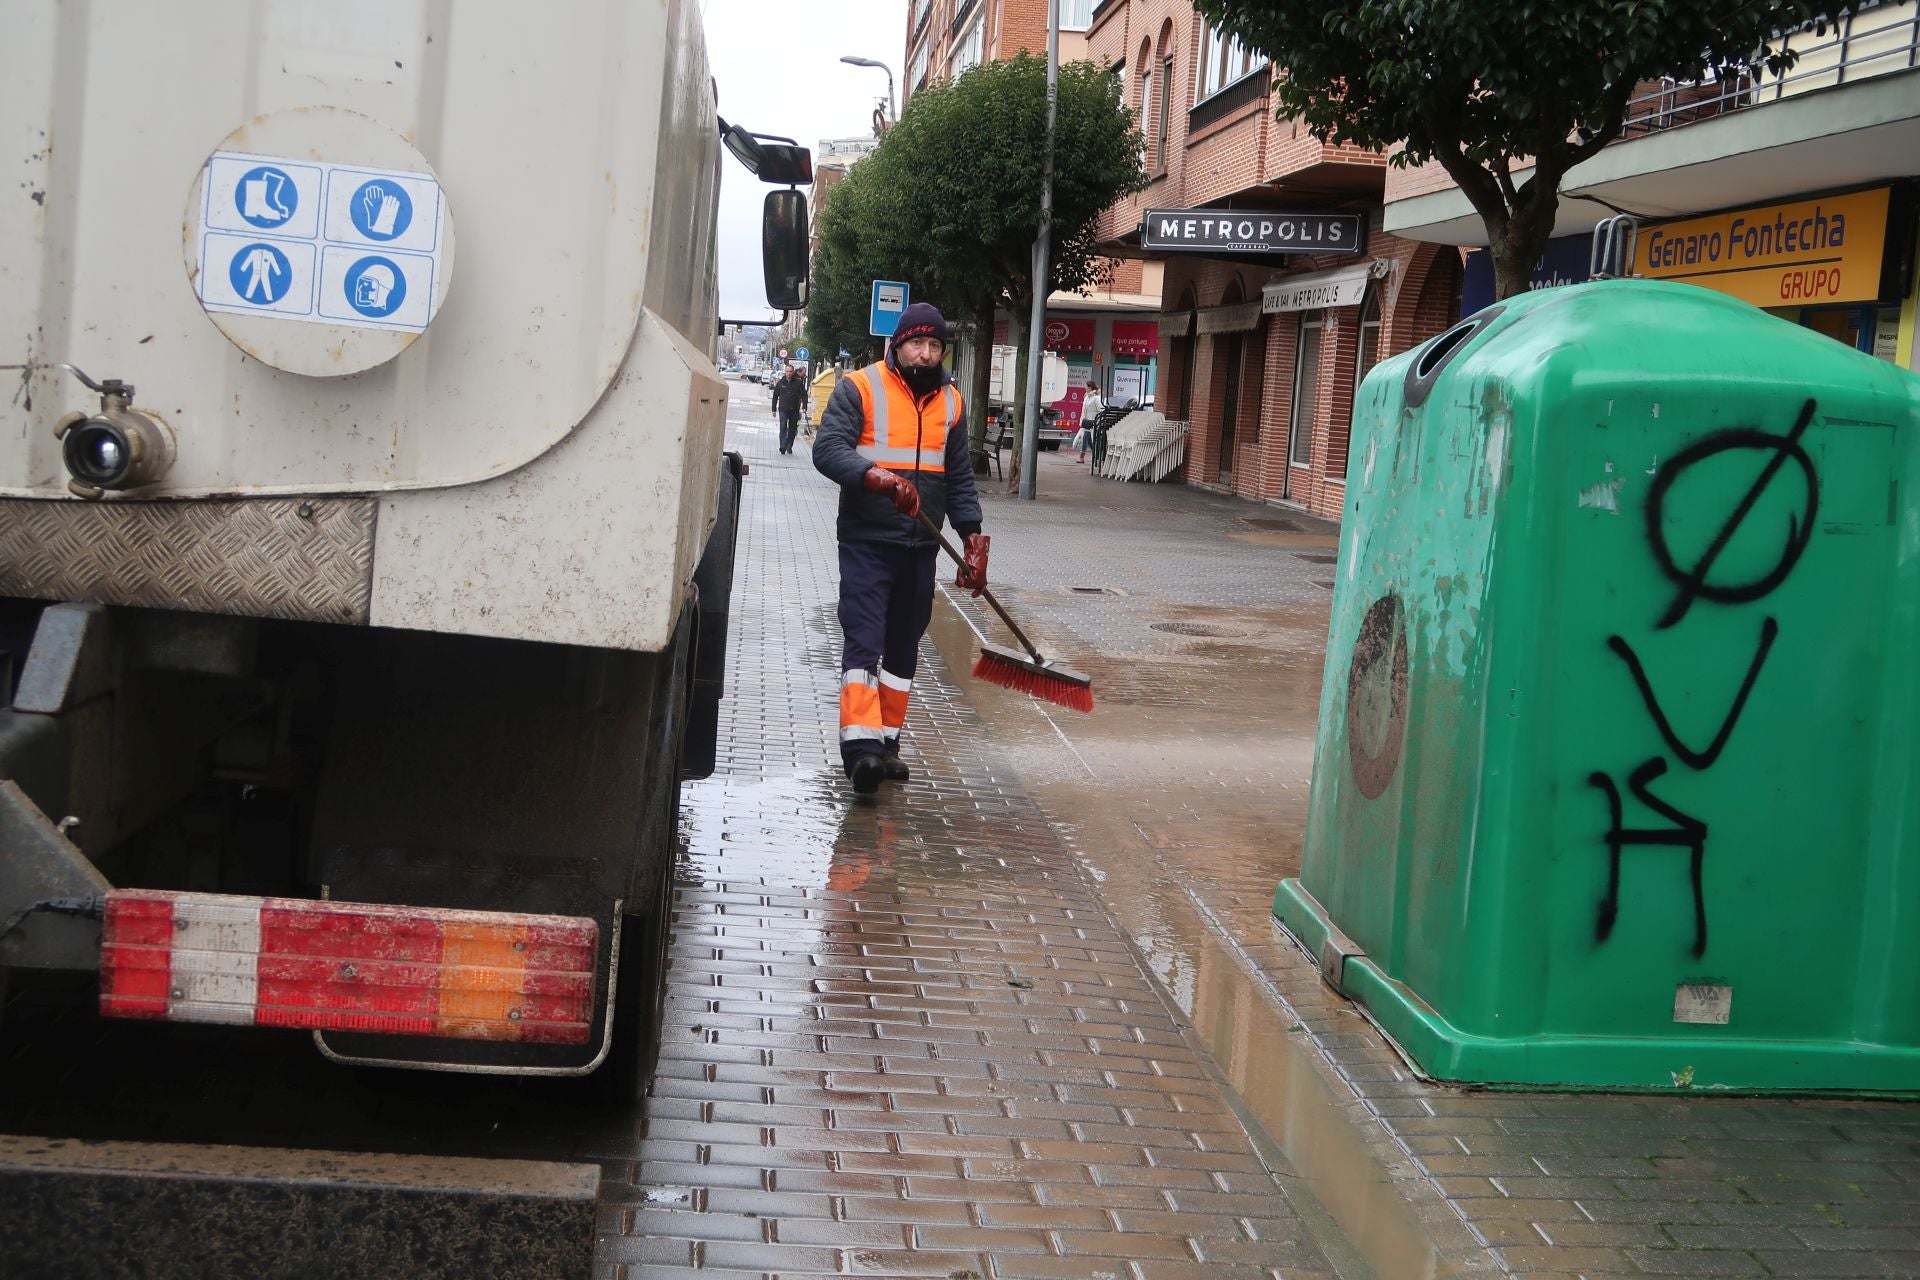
x=920, y=320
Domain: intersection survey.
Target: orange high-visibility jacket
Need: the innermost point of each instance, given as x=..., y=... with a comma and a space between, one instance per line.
x=873, y=420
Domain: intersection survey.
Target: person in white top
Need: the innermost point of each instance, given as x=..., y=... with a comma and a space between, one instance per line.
x=1090, y=409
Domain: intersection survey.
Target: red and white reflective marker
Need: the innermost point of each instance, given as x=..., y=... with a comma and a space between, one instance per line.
x=347, y=966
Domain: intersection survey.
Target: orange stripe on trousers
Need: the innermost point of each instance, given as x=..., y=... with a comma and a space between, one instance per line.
x=859, y=706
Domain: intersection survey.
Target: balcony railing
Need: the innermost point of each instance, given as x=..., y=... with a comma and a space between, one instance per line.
x=1879, y=40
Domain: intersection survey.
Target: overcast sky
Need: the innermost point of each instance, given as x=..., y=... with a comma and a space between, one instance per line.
x=779, y=69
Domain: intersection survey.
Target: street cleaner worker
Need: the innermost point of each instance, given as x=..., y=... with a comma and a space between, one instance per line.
x=894, y=438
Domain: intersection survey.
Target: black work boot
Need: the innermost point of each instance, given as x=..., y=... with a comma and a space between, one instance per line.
x=896, y=768
x=867, y=773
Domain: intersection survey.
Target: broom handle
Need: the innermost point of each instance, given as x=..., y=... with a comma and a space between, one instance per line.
x=998, y=608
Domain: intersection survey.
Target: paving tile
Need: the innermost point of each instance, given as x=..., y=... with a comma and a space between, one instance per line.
x=1698, y=1262
x=843, y=1029
x=1030, y=1267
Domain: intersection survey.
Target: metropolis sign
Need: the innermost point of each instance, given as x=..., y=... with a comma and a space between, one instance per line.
x=1252, y=231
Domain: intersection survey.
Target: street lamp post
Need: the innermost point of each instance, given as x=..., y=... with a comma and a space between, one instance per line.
x=856, y=61
x=1036, y=329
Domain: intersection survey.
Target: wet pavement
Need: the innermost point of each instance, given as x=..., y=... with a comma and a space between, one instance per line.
x=1185, y=796
x=907, y=1037
x=1029, y=1014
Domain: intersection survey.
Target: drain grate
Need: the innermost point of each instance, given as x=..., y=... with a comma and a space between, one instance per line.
x=1198, y=629
x=1315, y=558
x=1276, y=524
x=1321, y=582
x=1093, y=591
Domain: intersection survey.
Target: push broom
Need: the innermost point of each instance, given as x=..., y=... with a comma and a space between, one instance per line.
x=1027, y=673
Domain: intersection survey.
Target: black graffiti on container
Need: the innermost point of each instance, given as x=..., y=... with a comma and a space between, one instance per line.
x=1696, y=583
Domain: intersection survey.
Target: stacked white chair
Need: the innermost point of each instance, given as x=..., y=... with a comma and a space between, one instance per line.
x=1144, y=446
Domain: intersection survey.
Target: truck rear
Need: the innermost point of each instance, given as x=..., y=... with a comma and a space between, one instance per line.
x=365, y=531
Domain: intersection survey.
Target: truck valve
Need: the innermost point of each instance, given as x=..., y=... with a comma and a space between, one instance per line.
x=116, y=448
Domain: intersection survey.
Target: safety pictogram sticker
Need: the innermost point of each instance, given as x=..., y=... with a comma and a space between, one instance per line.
x=386, y=289
x=251, y=274
x=320, y=243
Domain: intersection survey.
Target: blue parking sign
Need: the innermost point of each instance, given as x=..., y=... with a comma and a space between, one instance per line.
x=889, y=300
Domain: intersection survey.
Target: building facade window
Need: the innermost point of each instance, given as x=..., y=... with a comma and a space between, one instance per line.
x=1163, y=113
x=1306, y=390
x=971, y=47
x=1223, y=60
x=917, y=67
x=1146, y=114
x=1076, y=15
x=921, y=8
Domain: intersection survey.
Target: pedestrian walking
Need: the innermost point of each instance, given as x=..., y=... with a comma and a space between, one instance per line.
x=894, y=438
x=1091, y=408
x=789, y=402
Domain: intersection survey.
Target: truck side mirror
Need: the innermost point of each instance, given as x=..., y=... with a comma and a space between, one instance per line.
x=768, y=156
x=784, y=247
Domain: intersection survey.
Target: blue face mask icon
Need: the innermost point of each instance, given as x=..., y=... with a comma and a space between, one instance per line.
x=373, y=288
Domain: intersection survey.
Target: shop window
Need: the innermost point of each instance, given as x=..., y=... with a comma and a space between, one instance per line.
x=1306, y=389
x=1366, y=355
x=1873, y=330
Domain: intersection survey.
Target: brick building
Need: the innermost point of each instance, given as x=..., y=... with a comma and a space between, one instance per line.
x=945, y=37
x=1097, y=332
x=1265, y=329
x=1838, y=135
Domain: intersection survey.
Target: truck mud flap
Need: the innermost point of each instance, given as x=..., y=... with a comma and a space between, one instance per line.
x=713, y=583
x=95, y=1209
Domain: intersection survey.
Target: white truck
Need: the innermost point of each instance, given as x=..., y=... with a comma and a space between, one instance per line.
x=1003, y=394
x=365, y=531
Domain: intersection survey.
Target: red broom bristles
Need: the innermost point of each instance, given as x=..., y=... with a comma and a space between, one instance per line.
x=1021, y=679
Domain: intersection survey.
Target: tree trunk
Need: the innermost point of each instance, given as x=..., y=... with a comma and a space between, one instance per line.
x=982, y=384
x=1517, y=248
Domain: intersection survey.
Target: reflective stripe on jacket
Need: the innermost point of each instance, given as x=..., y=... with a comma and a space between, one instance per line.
x=898, y=434
x=873, y=420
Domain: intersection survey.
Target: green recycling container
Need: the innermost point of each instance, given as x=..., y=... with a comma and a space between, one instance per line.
x=1616, y=782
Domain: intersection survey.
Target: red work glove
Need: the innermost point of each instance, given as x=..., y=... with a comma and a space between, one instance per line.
x=906, y=498
x=973, y=565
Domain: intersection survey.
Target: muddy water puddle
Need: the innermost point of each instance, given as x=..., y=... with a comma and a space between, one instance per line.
x=1289, y=1096
x=1189, y=816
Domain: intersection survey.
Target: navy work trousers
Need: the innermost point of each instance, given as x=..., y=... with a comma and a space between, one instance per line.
x=886, y=601
x=789, y=428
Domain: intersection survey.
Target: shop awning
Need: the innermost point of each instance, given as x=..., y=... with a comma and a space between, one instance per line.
x=1342, y=287
x=1228, y=319
x=1175, y=324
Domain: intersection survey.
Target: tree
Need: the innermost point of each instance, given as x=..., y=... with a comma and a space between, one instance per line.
x=950, y=199
x=847, y=258
x=1485, y=86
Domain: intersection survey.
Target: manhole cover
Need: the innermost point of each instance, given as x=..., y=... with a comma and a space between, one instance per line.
x=1198, y=629
x=1315, y=559
x=1275, y=523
